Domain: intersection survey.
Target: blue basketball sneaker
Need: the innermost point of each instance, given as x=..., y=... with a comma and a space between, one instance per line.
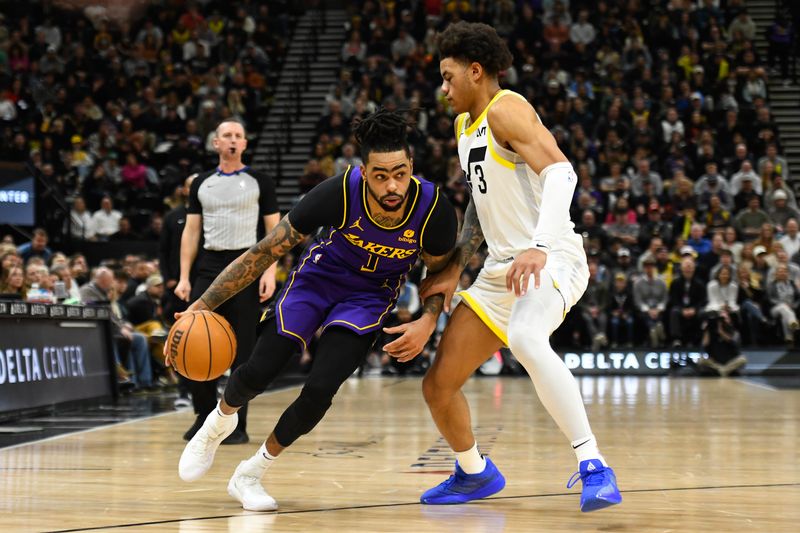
x=462, y=487
x=599, y=486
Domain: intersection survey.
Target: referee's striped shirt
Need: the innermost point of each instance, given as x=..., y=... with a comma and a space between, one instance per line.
x=231, y=206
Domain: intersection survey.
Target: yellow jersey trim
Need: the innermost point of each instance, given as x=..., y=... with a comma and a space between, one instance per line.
x=285, y=294
x=425, y=224
x=460, y=124
x=344, y=195
x=497, y=157
x=410, y=211
x=472, y=127
x=476, y=307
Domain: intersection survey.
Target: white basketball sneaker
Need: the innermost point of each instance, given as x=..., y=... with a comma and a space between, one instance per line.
x=198, y=455
x=245, y=486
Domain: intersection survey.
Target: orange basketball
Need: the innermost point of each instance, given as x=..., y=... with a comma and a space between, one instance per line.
x=202, y=344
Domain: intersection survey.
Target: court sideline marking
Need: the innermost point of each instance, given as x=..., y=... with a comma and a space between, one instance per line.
x=762, y=386
x=407, y=504
x=132, y=421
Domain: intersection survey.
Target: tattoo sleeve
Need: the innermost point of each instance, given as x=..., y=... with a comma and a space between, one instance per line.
x=471, y=237
x=250, y=265
x=434, y=304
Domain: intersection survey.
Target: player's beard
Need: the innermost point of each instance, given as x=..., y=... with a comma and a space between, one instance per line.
x=382, y=199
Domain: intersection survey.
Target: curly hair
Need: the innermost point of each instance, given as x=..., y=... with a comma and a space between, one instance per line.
x=382, y=131
x=475, y=42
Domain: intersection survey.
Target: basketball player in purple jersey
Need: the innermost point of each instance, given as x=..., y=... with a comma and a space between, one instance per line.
x=378, y=220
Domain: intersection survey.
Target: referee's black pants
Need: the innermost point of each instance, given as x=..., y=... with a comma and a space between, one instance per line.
x=241, y=312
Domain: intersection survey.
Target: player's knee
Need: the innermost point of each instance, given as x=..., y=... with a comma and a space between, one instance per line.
x=428, y=388
x=435, y=390
x=527, y=342
x=310, y=407
x=318, y=395
x=242, y=387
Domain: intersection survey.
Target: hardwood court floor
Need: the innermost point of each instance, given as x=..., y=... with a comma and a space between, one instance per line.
x=690, y=455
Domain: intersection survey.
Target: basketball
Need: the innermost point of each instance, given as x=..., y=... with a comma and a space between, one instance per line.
x=202, y=345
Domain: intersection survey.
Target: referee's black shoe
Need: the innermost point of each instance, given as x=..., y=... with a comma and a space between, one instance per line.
x=198, y=423
x=237, y=437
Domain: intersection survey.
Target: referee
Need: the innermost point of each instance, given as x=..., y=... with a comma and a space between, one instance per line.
x=227, y=204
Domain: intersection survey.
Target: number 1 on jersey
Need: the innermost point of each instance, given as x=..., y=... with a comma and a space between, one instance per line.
x=372, y=264
x=476, y=156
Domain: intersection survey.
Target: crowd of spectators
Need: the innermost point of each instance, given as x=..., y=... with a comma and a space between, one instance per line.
x=115, y=117
x=684, y=200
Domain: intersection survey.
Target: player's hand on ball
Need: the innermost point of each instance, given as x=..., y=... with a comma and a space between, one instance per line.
x=531, y=261
x=201, y=344
x=414, y=336
x=197, y=305
x=443, y=282
x=177, y=316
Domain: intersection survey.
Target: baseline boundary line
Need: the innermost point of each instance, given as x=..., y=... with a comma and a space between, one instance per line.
x=407, y=504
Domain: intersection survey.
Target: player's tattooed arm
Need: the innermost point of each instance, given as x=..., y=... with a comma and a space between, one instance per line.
x=445, y=282
x=434, y=304
x=250, y=265
x=471, y=237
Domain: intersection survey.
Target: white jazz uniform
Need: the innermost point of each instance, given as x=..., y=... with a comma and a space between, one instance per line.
x=507, y=194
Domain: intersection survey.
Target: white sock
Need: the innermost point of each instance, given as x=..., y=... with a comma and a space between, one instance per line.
x=262, y=460
x=586, y=449
x=217, y=420
x=470, y=460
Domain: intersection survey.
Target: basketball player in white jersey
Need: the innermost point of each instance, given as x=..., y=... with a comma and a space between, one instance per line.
x=522, y=186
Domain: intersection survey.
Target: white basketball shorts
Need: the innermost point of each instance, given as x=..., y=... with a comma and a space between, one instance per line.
x=565, y=278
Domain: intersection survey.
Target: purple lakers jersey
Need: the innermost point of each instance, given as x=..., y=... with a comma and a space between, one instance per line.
x=352, y=276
